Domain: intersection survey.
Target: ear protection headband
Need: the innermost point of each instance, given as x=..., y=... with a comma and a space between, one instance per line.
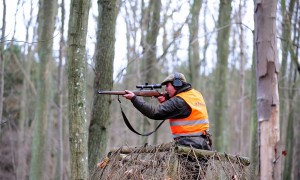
x=177, y=82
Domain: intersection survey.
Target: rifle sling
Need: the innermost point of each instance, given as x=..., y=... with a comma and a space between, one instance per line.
x=131, y=128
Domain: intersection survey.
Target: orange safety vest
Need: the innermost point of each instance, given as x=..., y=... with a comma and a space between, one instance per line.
x=197, y=122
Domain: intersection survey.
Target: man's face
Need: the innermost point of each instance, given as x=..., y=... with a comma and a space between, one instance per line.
x=170, y=89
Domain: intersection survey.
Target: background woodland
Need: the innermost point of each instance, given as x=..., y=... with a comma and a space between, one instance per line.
x=55, y=55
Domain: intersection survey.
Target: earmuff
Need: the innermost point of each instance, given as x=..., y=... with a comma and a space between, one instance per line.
x=177, y=82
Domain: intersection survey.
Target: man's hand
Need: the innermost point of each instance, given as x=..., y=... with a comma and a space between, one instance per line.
x=161, y=99
x=128, y=94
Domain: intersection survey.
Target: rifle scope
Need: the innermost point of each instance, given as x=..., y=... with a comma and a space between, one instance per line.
x=149, y=86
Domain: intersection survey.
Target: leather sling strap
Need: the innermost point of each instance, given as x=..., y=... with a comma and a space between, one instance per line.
x=131, y=128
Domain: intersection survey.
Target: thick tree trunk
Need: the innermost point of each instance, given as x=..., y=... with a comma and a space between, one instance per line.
x=98, y=130
x=267, y=89
x=78, y=24
x=220, y=94
x=46, y=24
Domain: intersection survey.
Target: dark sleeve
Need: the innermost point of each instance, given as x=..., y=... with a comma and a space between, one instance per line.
x=175, y=108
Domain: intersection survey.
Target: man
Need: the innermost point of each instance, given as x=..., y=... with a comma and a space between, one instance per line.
x=184, y=107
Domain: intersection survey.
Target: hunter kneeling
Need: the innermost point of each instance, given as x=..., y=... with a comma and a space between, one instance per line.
x=184, y=107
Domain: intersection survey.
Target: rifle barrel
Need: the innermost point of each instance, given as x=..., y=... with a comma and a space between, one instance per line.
x=112, y=92
x=145, y=93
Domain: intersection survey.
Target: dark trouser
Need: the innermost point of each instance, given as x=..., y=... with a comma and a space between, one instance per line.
x=198, y=142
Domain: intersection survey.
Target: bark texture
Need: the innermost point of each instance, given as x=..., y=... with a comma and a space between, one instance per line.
x=267, y=89
x=78, y=24
x=46, y=21
x=220, y=94
x=99, y=126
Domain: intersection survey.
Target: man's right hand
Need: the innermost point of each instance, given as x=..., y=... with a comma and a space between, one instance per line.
x=161, y=99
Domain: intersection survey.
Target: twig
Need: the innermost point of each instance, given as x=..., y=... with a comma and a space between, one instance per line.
x=25, y=42
x=200, y=169
x=231, y=164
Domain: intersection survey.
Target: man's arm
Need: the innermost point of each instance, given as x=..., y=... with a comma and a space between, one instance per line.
x=175, y=107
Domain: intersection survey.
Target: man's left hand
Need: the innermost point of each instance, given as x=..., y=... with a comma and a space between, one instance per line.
x=128, y=95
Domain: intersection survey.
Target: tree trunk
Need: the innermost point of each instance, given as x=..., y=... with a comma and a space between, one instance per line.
x=46, y=22
x=267, y=89
x=289, y=144
x=286, y=28
x=203, y=62
x=286, y=109
x=98, y=130
x=296, y=159
x=241, y=120
x=132, y=76
x=152, y=76
x=295, y=58
x=220, y=94
x=2, y=60
x=60, y=147
x=193, y=50
x=132, y=27
x=285, y=43
x=78, y=24
x=23, y=139
x=254, y=123
x=150, y=52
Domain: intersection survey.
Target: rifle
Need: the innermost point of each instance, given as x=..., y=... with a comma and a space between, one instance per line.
x=146, y=90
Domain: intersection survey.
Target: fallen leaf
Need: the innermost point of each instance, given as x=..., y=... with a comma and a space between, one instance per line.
x=103, y=163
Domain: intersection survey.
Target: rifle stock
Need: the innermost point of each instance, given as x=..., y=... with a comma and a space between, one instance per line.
x=144, y=93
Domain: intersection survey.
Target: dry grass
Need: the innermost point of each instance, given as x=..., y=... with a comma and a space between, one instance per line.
x=167, y=163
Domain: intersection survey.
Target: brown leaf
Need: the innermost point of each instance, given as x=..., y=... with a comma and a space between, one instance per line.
x=103, y=163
